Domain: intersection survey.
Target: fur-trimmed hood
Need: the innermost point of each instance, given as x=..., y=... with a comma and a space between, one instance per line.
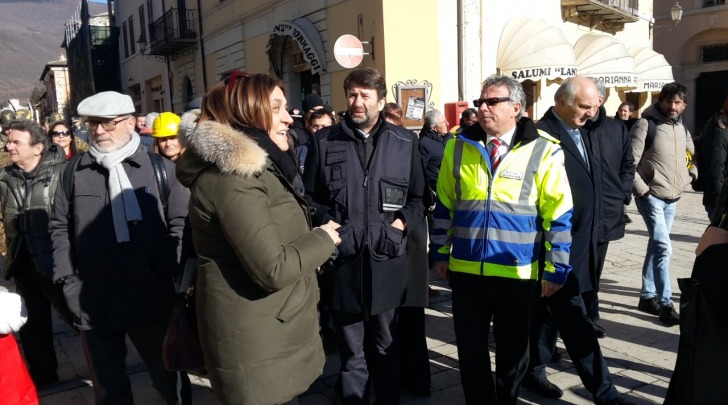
x=211, y=143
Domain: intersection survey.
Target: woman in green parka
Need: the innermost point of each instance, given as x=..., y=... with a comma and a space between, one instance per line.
x=257, y=254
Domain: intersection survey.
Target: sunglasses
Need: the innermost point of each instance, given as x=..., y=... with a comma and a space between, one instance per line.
x=60, y=133
x=490, y=102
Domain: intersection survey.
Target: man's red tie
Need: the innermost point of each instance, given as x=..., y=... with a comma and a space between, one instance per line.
x=495, y=156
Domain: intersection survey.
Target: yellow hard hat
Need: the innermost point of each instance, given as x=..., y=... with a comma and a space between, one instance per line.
x=167, y=124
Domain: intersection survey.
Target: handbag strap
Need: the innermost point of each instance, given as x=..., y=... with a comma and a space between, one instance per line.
x=189, y=275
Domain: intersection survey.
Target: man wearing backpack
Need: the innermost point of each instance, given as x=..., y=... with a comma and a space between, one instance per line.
x=116, y=229
x=660, y=142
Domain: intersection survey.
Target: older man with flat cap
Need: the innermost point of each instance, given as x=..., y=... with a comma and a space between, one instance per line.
x=116, y=249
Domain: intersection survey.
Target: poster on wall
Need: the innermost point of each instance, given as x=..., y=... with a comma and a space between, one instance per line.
x=415, y=108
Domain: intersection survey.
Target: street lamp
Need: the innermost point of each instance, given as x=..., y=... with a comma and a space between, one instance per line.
x=676, y=13
x=142, y=44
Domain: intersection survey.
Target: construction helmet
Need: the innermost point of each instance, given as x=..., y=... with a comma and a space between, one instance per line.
x=166, y=124
x=6, y=117
x=23, y=115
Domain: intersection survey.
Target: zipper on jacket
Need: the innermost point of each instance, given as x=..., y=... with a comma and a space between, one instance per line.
x=486, y=223
x=677, y=162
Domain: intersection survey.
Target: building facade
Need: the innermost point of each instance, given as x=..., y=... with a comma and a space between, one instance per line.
x=91, y=43
x=697, y=47
x=57, y=86
x=432, y=52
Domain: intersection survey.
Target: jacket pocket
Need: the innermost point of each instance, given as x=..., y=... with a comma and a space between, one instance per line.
x=347, y=247
x=296, y=300
x=393, y=242
x=336, y=163
x=392, y=194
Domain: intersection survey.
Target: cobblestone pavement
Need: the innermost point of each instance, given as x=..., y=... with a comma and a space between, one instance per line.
x=641, y=352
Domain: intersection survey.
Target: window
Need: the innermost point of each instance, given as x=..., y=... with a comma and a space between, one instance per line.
x=126, y=39
x=150, y=11
x=142, y=23
x=132, y=38
x=714, y=53
x=711, y=3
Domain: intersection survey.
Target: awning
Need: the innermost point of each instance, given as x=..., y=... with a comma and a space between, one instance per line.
x=532, y=49
x=306, y=36
x=652, y=69
x=606, y=59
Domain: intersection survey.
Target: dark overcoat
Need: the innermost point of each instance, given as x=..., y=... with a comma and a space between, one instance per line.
x=584, y=191
x=613, y=168
x=111, y=285
x=713, y=155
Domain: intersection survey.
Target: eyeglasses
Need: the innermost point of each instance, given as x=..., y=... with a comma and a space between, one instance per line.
x=106, y=125
x=490, y=102
x=62, y=133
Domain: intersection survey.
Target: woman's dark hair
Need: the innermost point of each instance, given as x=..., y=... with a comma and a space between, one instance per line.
x=72, y=145
x=241, y=100
x=393, y=112
x=626, y=103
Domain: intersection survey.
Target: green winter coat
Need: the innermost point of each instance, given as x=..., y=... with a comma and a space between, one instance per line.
x=257, y=256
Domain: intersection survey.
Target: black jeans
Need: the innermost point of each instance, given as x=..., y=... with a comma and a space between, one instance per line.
x=369, y=351
x=565, y=313
x=510, y=304
x=39, y=293
x=105, y=352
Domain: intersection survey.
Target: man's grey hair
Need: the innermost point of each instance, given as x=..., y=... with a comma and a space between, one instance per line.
x=431, y=118
x=515, y=90
x=567, y=91
x=601, y=88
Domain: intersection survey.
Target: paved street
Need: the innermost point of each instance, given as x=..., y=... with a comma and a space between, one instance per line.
x=640, y=351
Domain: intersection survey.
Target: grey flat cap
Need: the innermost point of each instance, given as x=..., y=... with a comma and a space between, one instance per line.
x=107, y=104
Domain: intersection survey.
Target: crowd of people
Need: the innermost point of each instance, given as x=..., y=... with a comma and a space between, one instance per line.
x=304, y=225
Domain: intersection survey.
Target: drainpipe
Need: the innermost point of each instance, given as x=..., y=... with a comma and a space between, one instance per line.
x=461, y=73
x=202, y=46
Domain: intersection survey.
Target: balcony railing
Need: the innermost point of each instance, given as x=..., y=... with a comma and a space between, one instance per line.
x=172, y=33
x=607, y=15
x=711, y=3
x=101, y=35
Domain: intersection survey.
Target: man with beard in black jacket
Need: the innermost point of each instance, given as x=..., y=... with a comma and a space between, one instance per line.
x=614, y=168
x=366, y=174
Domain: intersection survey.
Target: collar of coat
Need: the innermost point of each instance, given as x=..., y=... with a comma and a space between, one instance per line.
x=525, y=132
x=231, y=150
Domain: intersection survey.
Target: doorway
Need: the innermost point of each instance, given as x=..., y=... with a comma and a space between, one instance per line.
x=707, y=100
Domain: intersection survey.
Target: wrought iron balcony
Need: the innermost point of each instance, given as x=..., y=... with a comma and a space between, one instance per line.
x=173, y=34
x=605, y=15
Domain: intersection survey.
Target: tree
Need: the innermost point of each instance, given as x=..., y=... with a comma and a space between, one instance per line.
x=37, y=93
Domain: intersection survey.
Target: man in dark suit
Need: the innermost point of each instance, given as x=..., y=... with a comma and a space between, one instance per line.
x=614, y=168
x=576, y=102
